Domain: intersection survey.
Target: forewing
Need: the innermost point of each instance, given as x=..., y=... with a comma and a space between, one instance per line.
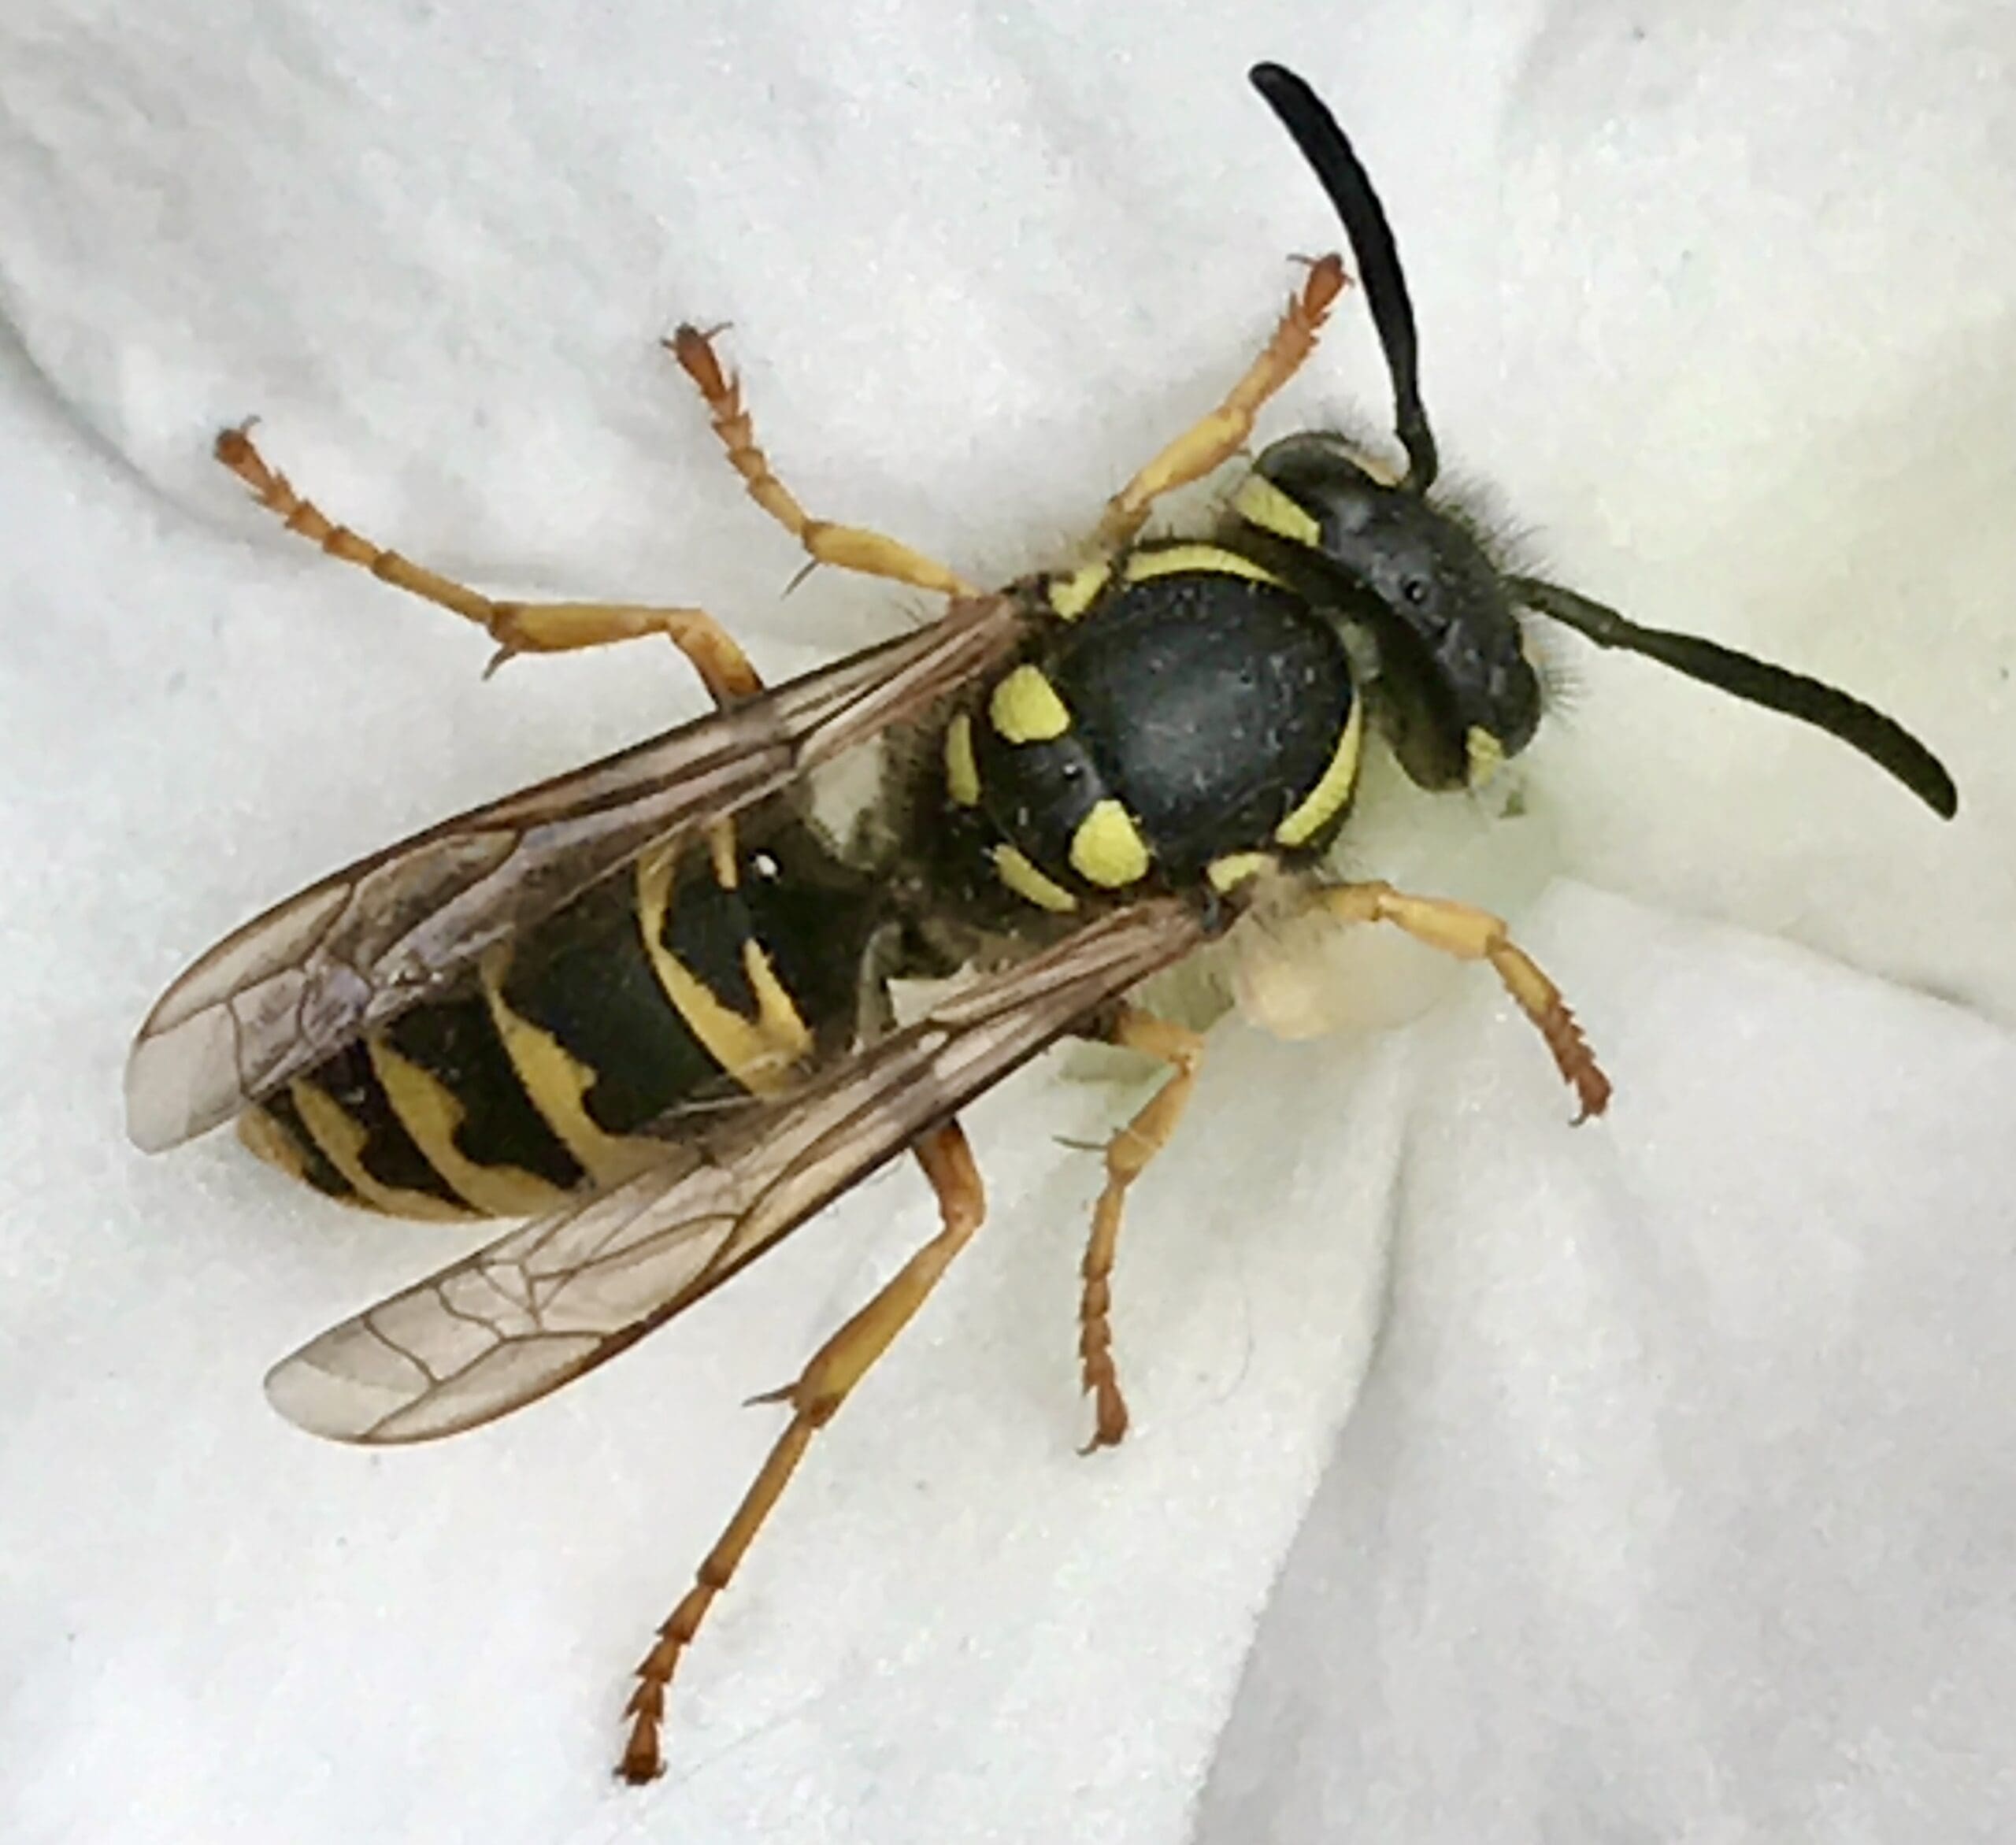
x=555, y=1298
x=279, y=995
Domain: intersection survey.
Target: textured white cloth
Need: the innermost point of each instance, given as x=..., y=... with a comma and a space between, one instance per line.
x=1674, y=1498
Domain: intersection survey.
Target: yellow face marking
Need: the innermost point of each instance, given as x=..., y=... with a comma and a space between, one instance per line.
x=1107, y=850
x=341, y=1139
x=1025, y=708
x=1021, y=877
x=1071, y=596
x=1234, y=868
x=961, y=773
x=1485, y=755
x=1260, y=502
x=555, y=1081
x=760, y=1053
x=1169, y=559
x=1325, y=802
x=431, y=1113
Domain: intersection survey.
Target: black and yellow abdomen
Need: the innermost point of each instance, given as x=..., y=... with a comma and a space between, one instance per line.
x=725, y=972
x=1186, y=716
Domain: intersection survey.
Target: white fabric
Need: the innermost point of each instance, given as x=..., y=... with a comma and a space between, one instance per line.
x=1674, y=1497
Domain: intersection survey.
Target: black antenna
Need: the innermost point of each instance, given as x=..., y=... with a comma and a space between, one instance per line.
x=1323, y=145
x=1884, y=742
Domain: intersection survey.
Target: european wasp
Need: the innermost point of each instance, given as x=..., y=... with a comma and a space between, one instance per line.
x=646, y=1006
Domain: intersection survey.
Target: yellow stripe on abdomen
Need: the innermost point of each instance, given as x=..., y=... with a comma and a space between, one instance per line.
x=555, y=1082
x=432, y=1113
x=761, y=1053
x=341, y=1139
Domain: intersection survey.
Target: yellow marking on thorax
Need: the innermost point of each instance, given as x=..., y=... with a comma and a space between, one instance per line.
x=343, y=1138
x=1171, y=560
x=431, y=1112
x=1026, y=708
x=555, y=1081
x=1070, y=596
x=1236, y=869
x=761, y=1053
x=1016, y=871
x=1325, y=802
x=1107, y=850
x=1260, y=502
x=961, y=773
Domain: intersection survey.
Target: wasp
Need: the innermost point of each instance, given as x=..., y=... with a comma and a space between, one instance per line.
x=646, y=1007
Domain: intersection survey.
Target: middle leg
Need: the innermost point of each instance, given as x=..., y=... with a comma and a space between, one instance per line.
x=1126, y=1157
x=846, y=547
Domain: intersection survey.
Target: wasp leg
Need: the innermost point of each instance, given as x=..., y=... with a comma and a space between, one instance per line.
x=820, y=1388
x=1126, y=1157
x=1475, y=934
x=517, y=627
x=1215, y=439
x=847, y=547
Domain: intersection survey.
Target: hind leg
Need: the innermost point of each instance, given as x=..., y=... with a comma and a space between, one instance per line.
x=516, y=627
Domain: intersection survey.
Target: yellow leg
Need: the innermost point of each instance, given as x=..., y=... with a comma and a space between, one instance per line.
x=847, y=547
x=1216, y=437
x=1477, y=935
x=821, y=1387
x=517, y=627
x=1126, y=1157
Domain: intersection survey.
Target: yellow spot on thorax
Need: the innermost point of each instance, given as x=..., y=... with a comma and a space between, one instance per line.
x=1173, y=560
x=1107, y=850
x=1025, y=708
x=1236, y=869
x=961, y=773
x=1325, y=802
x=1070, y=596
x=1016, y=872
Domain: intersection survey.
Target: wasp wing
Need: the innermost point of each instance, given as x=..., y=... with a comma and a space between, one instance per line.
x=553, y=1299
x=275, y=998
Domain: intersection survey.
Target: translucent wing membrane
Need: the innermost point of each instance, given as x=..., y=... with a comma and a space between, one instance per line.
x=275, y=998
x=552, y=1300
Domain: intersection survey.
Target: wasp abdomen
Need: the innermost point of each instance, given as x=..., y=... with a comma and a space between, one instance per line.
x=680, y=983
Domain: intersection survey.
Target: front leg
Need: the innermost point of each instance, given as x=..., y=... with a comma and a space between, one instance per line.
x=1216, y=438
x=1471, y=934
